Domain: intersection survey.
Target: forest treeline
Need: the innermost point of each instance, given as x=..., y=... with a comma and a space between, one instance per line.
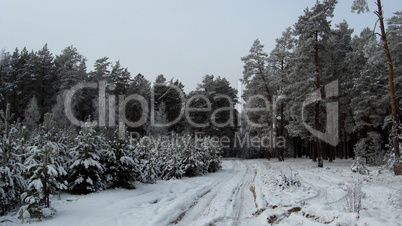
x=312, y=54
x=43, y=153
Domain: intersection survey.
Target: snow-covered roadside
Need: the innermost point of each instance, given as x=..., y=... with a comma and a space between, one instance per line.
x=244, y=192
x=324, y=192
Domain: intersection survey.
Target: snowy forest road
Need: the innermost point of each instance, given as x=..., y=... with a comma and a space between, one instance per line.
x=243, y=192
x=230, y=200
x=226, y=197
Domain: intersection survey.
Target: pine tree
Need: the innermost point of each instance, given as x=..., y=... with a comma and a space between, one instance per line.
x=170, y=162
x=369, y=149
x=70, y=68
x=212, y=155
x=309, y=69
x=345, y=65
x=121, y=168
x=279, y=61
x=257, y=78
x=86, y=171
x=394, y=32
x=361, y=6
x=221, y=98
x=134, y=111
x=147, y=154
x=44, y=81
x=23, y=92
x=195, y=158
x=32, y=114
x=161, y=120
x=58, y=111
x=7, y=80
x=172, y=94
x=121, y=78
x=101, y=70
x=43, y=169
x=12, y=182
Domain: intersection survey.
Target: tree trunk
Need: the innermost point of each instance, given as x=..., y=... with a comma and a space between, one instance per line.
x=273, y=113
x=317, y=105
x=282, y=132
x=391, y=87
x=313, y=150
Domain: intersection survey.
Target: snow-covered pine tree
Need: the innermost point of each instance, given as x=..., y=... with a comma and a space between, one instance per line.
x=256, y=77
x=21, y=137
x=279, y=60
x=193, y=162
x=309, y=70
x=345, y=65
x=121, y=169
x=86, y=171
x=394, y=32
x=369, y=149
x=213, y=153
x=43, y=169
x=361, y=6
x=170, y=161
x=147, y=154
x=12, y=182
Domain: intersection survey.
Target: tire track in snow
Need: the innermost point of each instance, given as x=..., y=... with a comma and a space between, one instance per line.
x=227, y=201
x=245, y=190
x=204, y=200
x=322, y=190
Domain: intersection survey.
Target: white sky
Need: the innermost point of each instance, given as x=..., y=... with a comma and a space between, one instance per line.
x=183, y=39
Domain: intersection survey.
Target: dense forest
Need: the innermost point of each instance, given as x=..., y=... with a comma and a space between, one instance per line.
x=43, y=152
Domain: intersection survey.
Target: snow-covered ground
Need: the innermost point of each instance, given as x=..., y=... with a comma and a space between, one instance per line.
x=244, y=192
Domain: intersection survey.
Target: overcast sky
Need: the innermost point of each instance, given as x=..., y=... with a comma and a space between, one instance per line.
x=183, y=39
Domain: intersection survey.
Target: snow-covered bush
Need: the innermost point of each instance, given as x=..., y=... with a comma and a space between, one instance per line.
x=358, y=166
x=42, y=168
x=289, y=180
x=389, y=157
x=201, y=157
x=161, y=158
x=86, y=172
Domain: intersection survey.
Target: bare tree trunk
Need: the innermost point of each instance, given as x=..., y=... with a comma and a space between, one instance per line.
x=391, y=87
